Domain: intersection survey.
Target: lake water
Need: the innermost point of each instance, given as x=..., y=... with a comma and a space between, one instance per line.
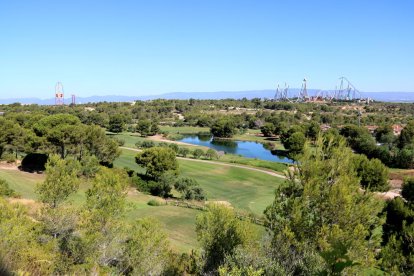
x=244, y=148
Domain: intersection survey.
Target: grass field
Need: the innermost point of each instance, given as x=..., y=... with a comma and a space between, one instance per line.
x=244, y=189
x=178, y=223
x=247, y=190
x=131, y=138
x=22, y=182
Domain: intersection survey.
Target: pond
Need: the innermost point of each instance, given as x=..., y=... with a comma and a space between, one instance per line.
x=244, y=148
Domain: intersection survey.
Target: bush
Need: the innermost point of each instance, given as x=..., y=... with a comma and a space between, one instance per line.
x=141, y=184
x=174, y=147
x=89, y=165
x=129, y=171
x=119, y=141
x=197, y=153
x=408, y=190
x=183, y=152
x=9, y=157
x=155, y=202
x=5, y=190
x=189, y=189
x=175, y=137
x=211, y=154
x=145, y=144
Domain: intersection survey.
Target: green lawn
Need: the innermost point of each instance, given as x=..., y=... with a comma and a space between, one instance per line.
x=244, y=189
x=178, y=223
x=129, y=138
x=22, y=182
x=247, y=190
x=132, y=138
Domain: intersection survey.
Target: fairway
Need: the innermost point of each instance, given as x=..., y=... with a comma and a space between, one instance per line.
x=247, y=190
x=22, y=182
x=244, y=189
x=178, y=223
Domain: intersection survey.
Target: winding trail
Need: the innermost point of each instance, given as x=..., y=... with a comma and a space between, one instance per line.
x=221, y=164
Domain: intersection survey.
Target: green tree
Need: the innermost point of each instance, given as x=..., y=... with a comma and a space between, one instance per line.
x=197, y=153
x=116, y=123
x=219, y=232
x=12, y=135
x=211, y=154
x=174, y=147
x=61, y=181
x=157, y=160
x=295, y=143
x=100, y=145
x=313, y=130
x=267, y=129
x=20, y=250
x=407, y=135
x=60, y=131
x=5, y=189
x=224, y=128
x=102, y=226
x=155, y=129
x=397, y=254
x=183, y=151
x=408, y=190
x=144, y=127
x=384, y=134
x=373, y=173
x=321, y=208
x=189, y=189
x=147, y=248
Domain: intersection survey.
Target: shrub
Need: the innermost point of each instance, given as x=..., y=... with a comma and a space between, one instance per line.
x=89, y=166
x=129, y=171
x=175, y=137
x=174, y=147
x=211, y=154
x=183, y=152
x=120, y=142
x=141, y=184
x=5, y=190
x=197, y=153
x=147, y=144
x=9, y=157
x=155, y=202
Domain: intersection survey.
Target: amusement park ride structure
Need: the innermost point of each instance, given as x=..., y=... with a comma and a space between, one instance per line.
x=346, y=92
x=60, y=95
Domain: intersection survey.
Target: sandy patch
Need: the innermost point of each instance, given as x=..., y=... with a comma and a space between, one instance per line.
x=160, y=138
x=390, y=194
x=9, y=166
x=23, y=201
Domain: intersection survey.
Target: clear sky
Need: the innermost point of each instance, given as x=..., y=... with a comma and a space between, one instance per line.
x=150, y=47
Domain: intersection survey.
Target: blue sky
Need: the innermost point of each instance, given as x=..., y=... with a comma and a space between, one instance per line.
x=151, y=47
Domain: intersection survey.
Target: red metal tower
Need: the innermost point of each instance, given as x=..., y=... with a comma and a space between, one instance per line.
x=59, y=95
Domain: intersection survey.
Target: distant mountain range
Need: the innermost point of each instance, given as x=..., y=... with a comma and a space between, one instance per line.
x=267, y=93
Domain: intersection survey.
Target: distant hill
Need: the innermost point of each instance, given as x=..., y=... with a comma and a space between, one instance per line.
x=266, y=93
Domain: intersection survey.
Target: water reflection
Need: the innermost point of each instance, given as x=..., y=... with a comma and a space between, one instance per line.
x=244, y=148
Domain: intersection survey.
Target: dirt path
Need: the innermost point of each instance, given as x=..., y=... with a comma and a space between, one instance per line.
x=222, y=164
